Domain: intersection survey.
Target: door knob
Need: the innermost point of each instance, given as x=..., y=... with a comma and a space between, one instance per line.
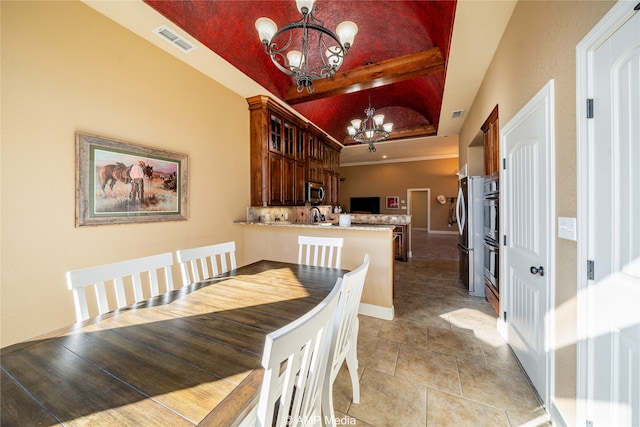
x=537, y=270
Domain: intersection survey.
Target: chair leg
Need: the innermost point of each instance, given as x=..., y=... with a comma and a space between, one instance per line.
x=352, y=361
x=319, y=420
x=352, y=365
x=328, y=412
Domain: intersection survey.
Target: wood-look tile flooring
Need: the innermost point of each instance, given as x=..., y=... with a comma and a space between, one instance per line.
x=441, y=361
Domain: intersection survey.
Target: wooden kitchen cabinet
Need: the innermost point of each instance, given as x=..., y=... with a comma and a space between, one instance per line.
x=400, y=242
x=276, y=172
x=285, y=152
x=492, y=296
x=491, y=131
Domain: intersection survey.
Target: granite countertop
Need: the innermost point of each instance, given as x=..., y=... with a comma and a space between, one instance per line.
x=328, y=225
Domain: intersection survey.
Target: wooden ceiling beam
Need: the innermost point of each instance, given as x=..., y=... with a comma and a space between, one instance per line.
x=381, y=73
x=405, y=133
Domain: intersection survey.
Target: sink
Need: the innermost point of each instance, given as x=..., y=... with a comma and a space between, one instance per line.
x=322, y=224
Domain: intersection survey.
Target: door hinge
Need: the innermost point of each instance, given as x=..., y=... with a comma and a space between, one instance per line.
x=504, y=240
x=504, y=163
x=590, y=108
x=589, y=423
x=590, y=269
x=504, y=316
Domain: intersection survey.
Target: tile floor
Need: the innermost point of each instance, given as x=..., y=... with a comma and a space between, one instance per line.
x=440, y=362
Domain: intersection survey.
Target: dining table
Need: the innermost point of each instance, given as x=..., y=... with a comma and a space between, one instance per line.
x=188, y=357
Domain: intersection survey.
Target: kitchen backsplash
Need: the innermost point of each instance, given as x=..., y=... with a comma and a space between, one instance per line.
x=300, y=215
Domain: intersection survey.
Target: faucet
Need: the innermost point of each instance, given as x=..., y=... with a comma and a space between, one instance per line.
x=317, y=218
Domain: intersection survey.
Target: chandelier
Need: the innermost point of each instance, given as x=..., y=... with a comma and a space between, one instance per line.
x=314, y=53
x=370, y=130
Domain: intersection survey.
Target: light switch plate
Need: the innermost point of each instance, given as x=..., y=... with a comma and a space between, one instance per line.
x=567, y=228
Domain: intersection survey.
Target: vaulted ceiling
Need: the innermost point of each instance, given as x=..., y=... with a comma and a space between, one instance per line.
x=464, y=33
x=398, y=58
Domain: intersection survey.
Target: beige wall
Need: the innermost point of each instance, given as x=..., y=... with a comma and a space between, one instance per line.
x=82, y=72
x=393, y=179
x=538, y=45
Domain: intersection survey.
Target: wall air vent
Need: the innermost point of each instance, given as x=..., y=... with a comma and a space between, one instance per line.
x=456, y=114
x=173, y=38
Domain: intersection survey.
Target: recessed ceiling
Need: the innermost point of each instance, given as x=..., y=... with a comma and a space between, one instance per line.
x=386, y=31
x=466, y=33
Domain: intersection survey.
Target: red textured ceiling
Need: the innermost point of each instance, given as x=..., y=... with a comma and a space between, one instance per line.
x=387, y=29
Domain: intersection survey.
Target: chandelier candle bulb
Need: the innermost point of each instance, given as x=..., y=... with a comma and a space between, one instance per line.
x=266, y=29
x=295, y=59
x=347, y=31
x=305, y=6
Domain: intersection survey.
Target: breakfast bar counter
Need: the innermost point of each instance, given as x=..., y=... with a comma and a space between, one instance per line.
x=278, y=240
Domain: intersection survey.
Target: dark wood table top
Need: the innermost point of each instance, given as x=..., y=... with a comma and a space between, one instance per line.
x=188, y=357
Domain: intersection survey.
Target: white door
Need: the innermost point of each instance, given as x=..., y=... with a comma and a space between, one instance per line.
x=527, y=144
x=613, y=296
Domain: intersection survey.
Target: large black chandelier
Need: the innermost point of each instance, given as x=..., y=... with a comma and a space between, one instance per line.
x=313, y=53
x=370, y=130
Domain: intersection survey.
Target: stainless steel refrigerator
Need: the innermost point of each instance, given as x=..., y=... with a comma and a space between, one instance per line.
x=469, y=214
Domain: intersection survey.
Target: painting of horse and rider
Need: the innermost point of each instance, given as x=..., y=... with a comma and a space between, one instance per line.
x=127, y=181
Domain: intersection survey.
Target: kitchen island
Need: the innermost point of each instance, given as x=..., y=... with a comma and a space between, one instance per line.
x=278, y=241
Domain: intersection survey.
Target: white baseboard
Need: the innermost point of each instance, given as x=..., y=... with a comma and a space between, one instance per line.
x=503, y=329
x=379, y=312
x=442, y=232
x=556, y=416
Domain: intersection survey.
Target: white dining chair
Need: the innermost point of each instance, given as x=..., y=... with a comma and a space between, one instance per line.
x=201, y=263
x=119, y=274
x=344, y=343
x=295, y=362
x=320, y=251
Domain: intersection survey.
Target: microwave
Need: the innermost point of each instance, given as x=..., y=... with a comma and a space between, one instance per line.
x=315, y=192
x=491, y=215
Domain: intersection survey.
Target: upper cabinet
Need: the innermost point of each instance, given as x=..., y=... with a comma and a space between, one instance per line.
x=491, y=131
x=286, y=152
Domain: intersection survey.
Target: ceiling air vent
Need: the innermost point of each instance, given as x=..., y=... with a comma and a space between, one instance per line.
x=456, y=114
x=173, y=38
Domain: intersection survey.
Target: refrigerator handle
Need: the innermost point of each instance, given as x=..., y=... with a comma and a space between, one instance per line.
x=461, y=214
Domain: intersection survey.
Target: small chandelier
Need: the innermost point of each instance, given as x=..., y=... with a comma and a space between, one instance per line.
x=370, y=130
x=321, y=51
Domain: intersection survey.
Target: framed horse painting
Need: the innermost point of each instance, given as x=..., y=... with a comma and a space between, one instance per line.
x=119, y=182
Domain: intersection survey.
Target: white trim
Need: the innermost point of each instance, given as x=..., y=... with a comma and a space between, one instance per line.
x=614, y=19
x=377, y=311
x=556, y=416
x=408, y=159
x=503, y=328
x=546, y=95
x=453, y=233
x=409, y=197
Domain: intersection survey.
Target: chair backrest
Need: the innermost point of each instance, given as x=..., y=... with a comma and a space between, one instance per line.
x=195, y=262
x=295, y=391
x=320, y=251
x=346, y=316
x=115, y=274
